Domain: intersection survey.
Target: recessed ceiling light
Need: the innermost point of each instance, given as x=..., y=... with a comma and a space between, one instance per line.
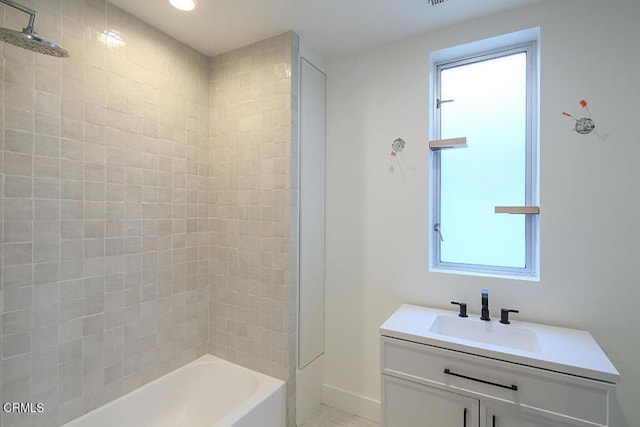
x=186, y=5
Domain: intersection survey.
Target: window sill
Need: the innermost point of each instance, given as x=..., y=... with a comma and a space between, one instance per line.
x=494, y=274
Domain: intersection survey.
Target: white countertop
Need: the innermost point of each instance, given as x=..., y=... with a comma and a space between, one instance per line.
x=564, y=350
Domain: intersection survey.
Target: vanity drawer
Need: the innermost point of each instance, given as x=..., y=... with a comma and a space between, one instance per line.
x=533, y=390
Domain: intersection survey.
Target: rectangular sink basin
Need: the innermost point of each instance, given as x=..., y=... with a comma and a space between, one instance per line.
x=492, y=332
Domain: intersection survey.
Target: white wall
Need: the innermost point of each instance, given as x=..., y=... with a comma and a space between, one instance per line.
x=377, y=228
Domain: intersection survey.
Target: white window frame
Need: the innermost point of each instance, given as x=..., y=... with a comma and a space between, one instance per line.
x=532, y=257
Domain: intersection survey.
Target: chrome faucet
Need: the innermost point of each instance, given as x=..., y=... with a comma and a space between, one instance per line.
x=484, y=313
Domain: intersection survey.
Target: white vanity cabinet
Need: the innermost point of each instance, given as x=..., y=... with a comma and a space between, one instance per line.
x=514, y=418
x=442, y=382
x=410, y=404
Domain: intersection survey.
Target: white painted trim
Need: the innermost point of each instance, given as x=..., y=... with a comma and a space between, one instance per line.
x=356, y=404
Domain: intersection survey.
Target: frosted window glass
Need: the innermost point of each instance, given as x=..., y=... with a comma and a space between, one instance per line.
x=489, y=108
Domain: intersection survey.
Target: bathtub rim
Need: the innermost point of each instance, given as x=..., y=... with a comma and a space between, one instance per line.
x=267, y=387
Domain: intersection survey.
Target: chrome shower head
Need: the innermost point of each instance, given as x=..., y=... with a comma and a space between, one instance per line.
x=30, y=41
x=27, y=39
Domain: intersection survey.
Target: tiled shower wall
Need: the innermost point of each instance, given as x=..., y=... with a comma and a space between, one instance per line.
x=105, y=183
x=254, y=173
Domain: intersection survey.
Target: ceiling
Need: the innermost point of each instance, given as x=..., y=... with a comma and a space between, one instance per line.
x=330, y=27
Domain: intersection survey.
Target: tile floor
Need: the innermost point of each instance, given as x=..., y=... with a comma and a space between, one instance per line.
x=326, y=416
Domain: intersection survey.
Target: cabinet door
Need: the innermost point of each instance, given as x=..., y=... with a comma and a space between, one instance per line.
x=514, y=418
x=407, y=404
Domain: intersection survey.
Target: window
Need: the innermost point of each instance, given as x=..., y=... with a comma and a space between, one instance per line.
x=490, y=99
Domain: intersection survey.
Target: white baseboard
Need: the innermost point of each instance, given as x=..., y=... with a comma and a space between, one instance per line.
x=361, y=406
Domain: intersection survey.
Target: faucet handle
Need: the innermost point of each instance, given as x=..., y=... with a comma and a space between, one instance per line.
x=463, y=308
x=504, y=315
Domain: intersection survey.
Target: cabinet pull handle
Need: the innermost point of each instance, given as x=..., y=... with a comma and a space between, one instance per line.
x=510, y=387
x=494, y=421
x=464, y=418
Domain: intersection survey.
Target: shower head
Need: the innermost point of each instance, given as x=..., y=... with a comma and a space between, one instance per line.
x=30, y=41
x=27, y=39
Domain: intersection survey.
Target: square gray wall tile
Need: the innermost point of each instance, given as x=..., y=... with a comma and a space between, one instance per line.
x=80, y=173
x=147, y=208
x=253, y=277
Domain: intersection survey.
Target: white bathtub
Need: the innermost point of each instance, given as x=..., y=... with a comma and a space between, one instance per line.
x=208, y=392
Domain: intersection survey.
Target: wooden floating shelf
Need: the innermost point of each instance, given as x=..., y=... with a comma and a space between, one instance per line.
x=446, y=144
x=518, y=210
